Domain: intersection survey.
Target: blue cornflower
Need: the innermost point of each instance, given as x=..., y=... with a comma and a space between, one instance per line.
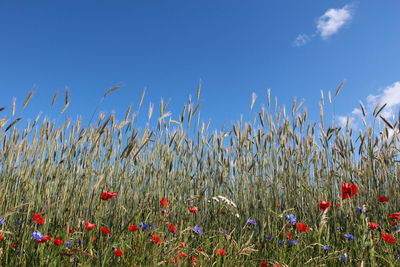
x=198, y=230
x=281, y=242
x=37, y=235
x=68, y=243
x=22, y=199
x=343, y=257
x=2, y=221
x=349, y=236
x=359, y=208
x=251, y=221
x=326, y=248
x=293, y=242
x=291, y=218
x=18, y=223
x=269, y=237
x=144, y=226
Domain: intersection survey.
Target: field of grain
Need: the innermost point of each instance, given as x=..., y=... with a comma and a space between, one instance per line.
x=274, y=191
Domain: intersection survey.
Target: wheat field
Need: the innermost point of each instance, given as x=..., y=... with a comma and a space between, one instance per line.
x=277, y=190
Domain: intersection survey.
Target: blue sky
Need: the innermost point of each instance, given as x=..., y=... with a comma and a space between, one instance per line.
x=296, y=48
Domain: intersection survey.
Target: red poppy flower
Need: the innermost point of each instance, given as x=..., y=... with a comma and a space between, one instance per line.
x=264, y=264
x=383, y=199
x=194, y=260
x=395, y=216
x=373, y=225
x=37, y=216
x=157, y=239
x=44, y=239
x=394, y=223
x=94, y=239
x=58, y=241
x=105, y=230
x=89, y=226
x=70, y=230
x=14, y=245
x=40, y=221
x=133, y=228
x=182, y=244
x=200, y=249
x=182, y=254
x=302, y=227
x=1, y=237
x=337, y=205
x=289, y=235
x=389, y=238
x=323, y=205
x=193, y=210
x=172, y=228
x=118, y=252
x=221, y=251
x=107, y=195
x=164, y=202
x=348, y=190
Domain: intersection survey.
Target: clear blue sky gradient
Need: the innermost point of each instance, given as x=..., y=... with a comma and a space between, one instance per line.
x=234, y=47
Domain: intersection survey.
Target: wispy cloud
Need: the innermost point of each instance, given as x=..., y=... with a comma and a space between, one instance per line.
x=326, y=25
x=332, y=21
x=301, y=40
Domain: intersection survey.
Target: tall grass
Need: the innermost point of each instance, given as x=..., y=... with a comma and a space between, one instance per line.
x=274, y=165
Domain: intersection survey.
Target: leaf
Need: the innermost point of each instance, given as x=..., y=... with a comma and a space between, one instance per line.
x=387, y=122
x=379, y=111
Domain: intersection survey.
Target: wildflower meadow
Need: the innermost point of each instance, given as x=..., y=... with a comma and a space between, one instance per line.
x=276, y=190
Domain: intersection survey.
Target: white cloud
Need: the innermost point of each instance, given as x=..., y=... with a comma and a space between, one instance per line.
x=332, y=21
x=301, y=39
x=389, y=96
x=327, y=24
x=357, y=112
